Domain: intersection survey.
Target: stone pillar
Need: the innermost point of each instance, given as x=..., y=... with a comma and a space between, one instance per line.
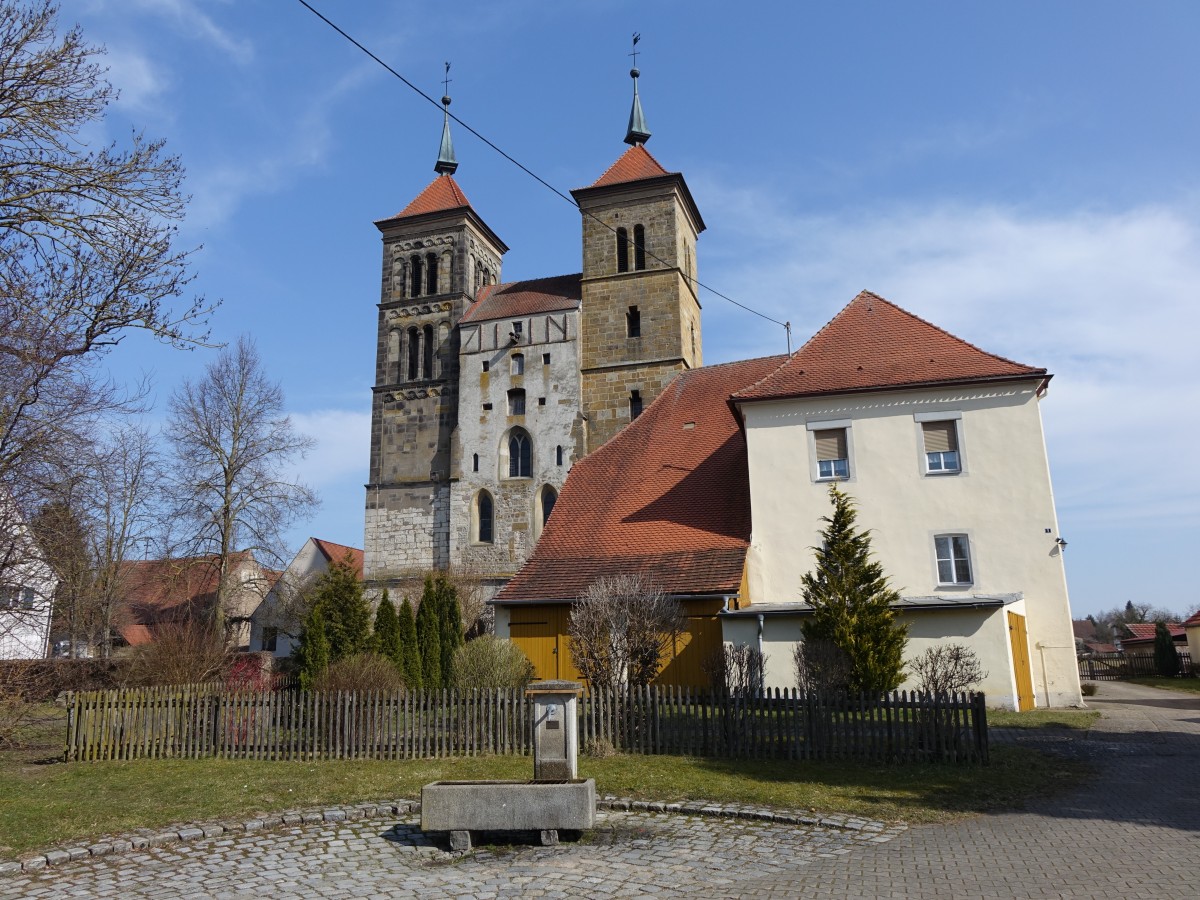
x=555, y=730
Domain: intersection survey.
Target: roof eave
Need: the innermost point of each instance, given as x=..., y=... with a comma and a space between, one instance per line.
x=1041, y=376
x=431, y=218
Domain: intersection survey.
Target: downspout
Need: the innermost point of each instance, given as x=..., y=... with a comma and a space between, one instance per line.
x=760, y=633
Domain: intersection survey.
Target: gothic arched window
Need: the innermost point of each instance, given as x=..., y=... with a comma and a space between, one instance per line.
x=558, y=455
x=549, y=498
x=485, y=515
x=520, y=454
x=622, y=250
x=639, y=247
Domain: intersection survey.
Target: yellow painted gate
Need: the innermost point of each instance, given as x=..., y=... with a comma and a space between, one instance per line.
x=1019, y=639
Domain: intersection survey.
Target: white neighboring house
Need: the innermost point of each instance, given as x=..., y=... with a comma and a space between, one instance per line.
x=940, y=444
x=27, y=585
x=272, y=629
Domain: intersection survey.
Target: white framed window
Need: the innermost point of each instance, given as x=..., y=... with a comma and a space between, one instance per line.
x=941, y=447
x=953, y=552
x=831, y=450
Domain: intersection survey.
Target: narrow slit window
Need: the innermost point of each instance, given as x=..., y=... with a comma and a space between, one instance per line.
x=549, y=498
x=639, y=247
x=475, y=462
x=635, y=404
x=416, y=276
x=622, y=250
x=431, y=277
x=633, y=322
x=518, y=363
x=427, y=354
x=545, y=359
x=485, y=512
x=414, y=353
x=558, y=455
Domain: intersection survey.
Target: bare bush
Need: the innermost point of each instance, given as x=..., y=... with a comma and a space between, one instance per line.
x=489, y=662
x=360, y=672
x=821, y=667
x=947, y=668
x=20, y=686
x=181, y=653
x=736, y=668
x=621, y=629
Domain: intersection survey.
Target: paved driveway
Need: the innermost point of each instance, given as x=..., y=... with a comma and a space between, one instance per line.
x=1133, y=831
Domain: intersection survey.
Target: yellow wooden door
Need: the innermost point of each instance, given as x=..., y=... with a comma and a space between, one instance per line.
x=1019, y=639
x=541, y=633
x=694, y=648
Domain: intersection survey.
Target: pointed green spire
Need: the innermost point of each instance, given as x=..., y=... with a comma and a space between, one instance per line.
x=446, y=163
x=637, y=133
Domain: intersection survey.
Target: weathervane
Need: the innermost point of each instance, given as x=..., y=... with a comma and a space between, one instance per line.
x=446, y=86
x=446, y=162
x=637, y=133
x=637, y=36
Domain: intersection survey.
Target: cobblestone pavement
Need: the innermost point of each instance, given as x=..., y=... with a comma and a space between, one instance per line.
x=631, y=854
x=1133, y=831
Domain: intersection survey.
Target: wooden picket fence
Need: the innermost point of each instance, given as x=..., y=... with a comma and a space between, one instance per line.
x=1114, y=666
x=203, y=720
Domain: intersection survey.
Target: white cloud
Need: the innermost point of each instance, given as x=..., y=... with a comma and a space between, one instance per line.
x=139, y=80
x=192, y=21
x=341, y=455
x=1105, y=300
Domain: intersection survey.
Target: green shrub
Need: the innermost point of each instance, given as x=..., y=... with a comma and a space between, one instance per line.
x=491, y=662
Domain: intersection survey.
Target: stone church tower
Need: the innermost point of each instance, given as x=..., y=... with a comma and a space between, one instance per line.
x=437, y=252
x=486, y=393
x=641, y=315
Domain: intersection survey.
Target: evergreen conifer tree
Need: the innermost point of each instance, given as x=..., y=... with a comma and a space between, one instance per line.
x=429, y=637
x=410, y=655
x=347, y=612
x=851, y=603
x=312, y=653
x=451, y=626
x=1166, y=656
x=386, y=637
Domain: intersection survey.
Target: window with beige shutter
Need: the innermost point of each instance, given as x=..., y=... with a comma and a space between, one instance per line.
x=941, y=446
x=833, y=459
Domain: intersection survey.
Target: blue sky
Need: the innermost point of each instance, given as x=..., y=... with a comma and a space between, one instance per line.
x=1023, y=174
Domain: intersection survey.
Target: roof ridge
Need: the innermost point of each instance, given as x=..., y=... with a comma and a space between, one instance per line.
x=626, y=156
x=504, y=284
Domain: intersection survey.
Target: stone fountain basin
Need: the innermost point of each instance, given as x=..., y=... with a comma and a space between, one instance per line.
x=509, y=805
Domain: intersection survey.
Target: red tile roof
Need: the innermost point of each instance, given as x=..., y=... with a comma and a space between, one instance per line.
x=155, y=592
x=523, y=298
x=873, y=345
x=1144, y=631
x=1193, y=620
x=442, y=194
x=337, y=552
x=668, y=498
x=634, y=164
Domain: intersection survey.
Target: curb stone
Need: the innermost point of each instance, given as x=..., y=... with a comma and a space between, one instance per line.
x=873, y=831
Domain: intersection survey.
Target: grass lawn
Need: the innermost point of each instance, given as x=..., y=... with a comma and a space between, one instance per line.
x=1043, y=718
x=44, y=801
x=1187, y=685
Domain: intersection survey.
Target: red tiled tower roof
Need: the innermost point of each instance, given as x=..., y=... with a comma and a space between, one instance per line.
x=442, y=194
x=634, y=164
x=875, y=345
x=523, y=298
x=667, y=498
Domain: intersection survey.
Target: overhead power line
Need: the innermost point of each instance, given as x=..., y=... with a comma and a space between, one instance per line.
x=787, y=326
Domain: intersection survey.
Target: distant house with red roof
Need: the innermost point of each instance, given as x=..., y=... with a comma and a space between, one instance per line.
x=1138, y=638
x=1192, y=628
x=162, y=593
x=275, y=627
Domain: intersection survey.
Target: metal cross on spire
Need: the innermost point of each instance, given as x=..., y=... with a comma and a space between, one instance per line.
x=446, y=162
x=638, y=132
x=446, y=85
x=637, y=36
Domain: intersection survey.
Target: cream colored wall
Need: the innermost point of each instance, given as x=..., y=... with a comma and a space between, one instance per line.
x=985, y=631
x=1002, y=500
x=1193, y=636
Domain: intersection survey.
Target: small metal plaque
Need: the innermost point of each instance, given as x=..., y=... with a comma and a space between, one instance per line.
x=553, y=725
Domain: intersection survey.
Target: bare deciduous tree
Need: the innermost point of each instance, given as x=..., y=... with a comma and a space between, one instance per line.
x=620, y=630
x=86, y=235
x=232, y=443
x=947, y=668
x=737, y=669
x=821, y=667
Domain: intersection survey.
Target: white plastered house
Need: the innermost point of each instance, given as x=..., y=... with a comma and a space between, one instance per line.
x=940, y=444
x=27, y=585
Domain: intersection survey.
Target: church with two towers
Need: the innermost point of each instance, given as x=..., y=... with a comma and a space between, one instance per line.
x=487, y=392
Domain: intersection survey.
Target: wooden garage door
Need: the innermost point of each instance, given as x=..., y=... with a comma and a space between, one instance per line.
x=541, y=633
x=694, y=648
